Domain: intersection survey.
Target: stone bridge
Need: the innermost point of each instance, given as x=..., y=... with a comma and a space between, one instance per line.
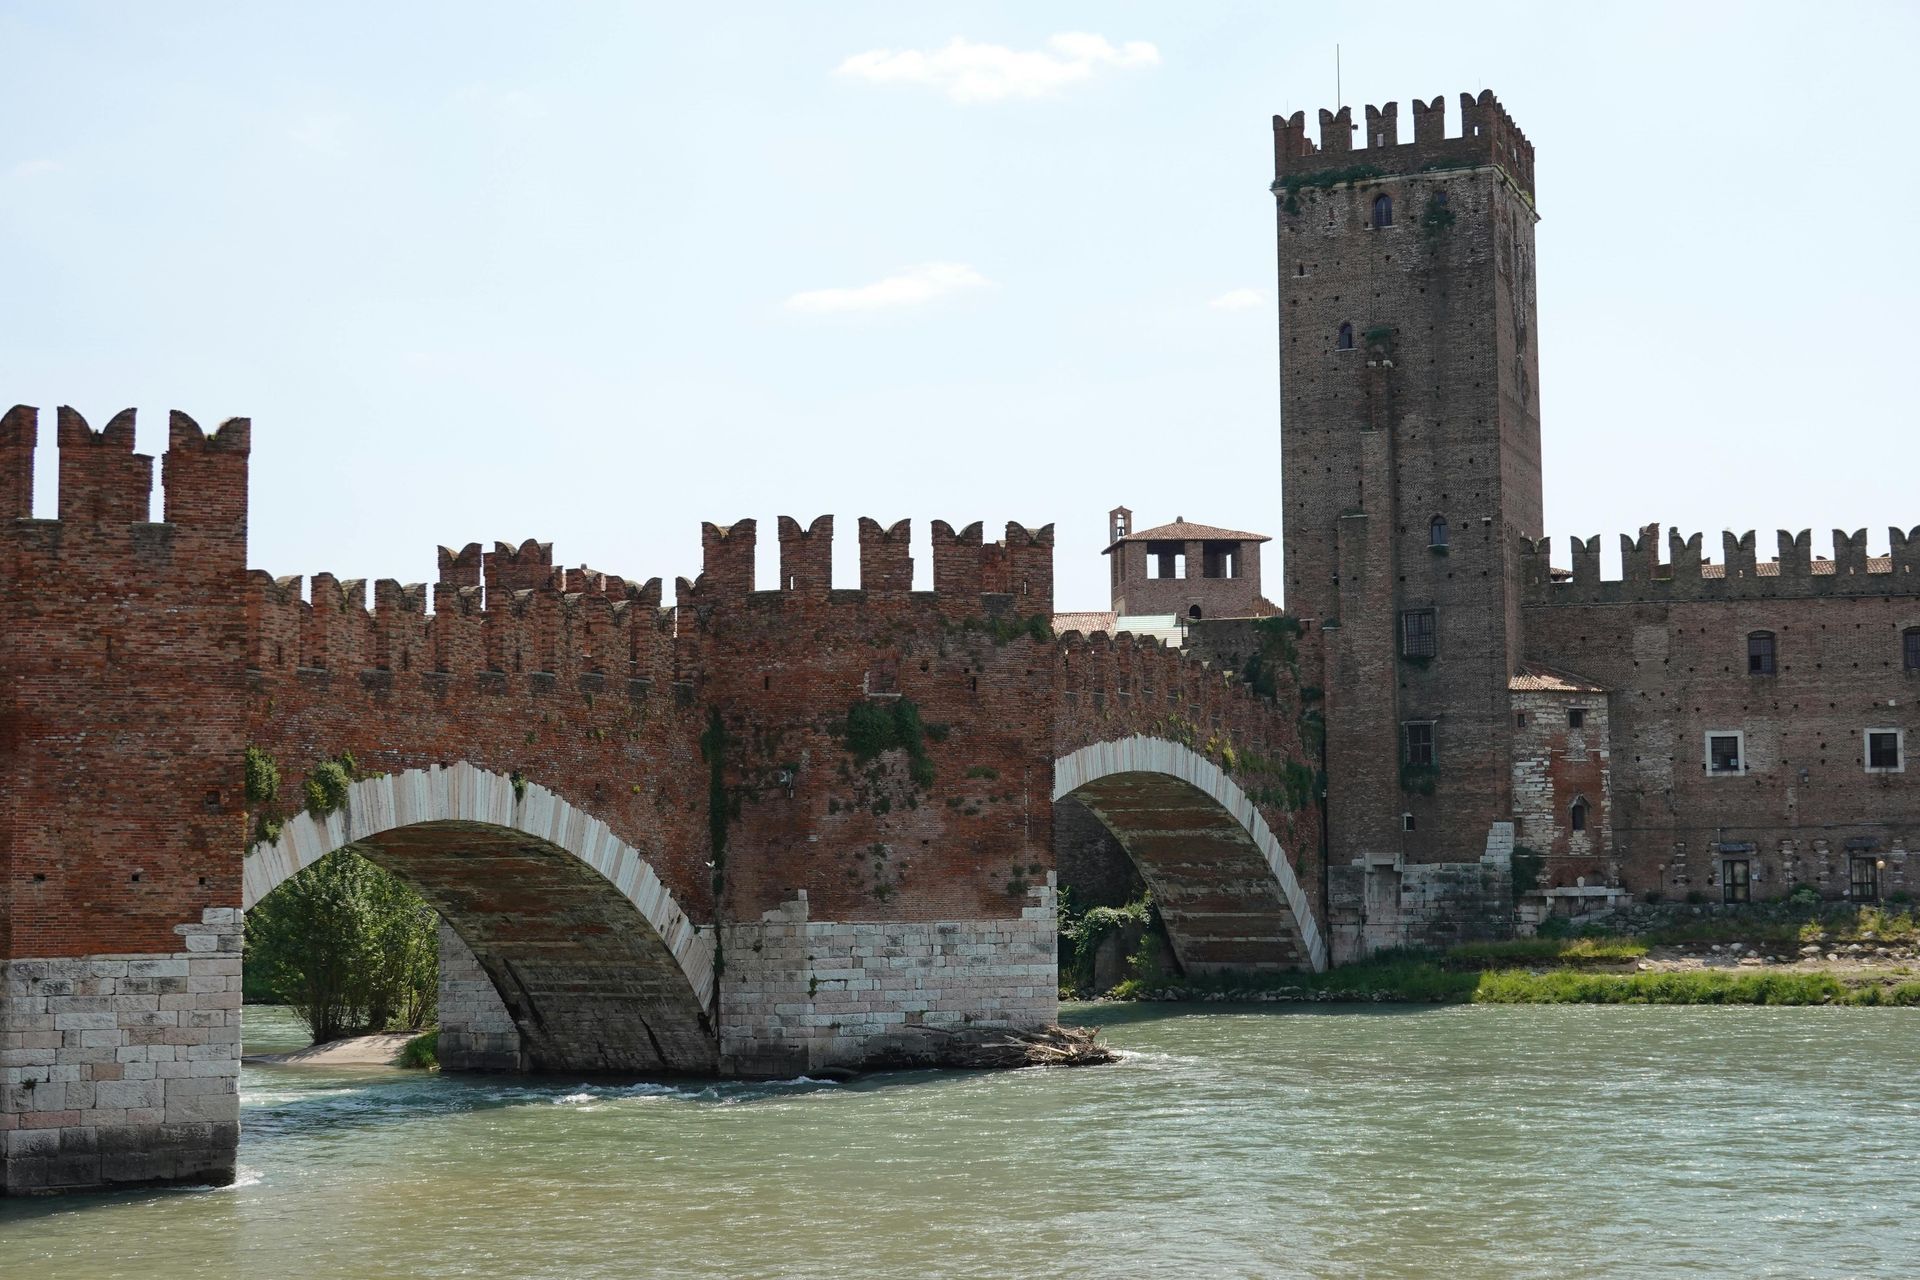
x=757, y=832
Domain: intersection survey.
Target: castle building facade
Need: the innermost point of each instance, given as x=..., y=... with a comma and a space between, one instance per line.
x=1719, y=731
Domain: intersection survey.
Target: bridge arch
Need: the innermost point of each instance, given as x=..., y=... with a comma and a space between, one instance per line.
x=597, y=965
x=1225, y=887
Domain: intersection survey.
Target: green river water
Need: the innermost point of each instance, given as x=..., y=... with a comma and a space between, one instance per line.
x=1450, y=1142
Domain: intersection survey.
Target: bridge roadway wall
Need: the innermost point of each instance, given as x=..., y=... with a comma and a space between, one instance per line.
x=847, y=793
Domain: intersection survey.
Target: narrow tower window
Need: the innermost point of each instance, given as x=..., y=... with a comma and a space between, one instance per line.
x=1382, y=211
x=1760, y=653
x=1345, y=342
x=1578, y=815
x=1910, y=649
x=1437, y=532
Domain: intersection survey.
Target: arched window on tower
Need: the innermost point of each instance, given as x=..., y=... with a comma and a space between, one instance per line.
x=1345, y=342
x=1760, y=653
x=1382, y=211
x=1437, y=533
x=1577, y=816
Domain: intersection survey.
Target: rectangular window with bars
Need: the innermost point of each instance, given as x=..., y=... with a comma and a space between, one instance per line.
x=1418, y=739
x=1863, y=879
x=1419, y=634
x=1736, y=880
x=1725, y=754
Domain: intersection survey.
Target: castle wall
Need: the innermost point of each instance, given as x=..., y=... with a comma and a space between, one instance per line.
x=1670, y=641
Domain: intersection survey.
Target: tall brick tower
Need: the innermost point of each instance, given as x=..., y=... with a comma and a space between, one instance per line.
x=1410, y=437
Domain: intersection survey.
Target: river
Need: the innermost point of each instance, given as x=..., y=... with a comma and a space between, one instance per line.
x=1453, y=1142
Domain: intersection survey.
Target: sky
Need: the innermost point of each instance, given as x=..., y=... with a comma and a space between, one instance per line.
x=596, y=273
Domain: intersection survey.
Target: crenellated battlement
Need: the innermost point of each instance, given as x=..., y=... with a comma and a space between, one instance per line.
x=1488, y=136
x=1679, y=569
x=104, y=484
x=968, y=571
x=575, y=622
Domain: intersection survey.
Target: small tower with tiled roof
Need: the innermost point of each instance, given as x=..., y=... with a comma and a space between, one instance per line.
x=1184, y=569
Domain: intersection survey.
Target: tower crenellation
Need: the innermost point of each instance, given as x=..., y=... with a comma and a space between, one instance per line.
x=1488, y=136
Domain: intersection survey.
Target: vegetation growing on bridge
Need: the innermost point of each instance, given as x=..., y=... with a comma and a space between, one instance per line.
x=873, y=727
x=349, y=946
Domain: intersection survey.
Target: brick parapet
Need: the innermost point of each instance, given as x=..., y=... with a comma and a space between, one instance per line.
x=1488, y=137
x=1684, y=573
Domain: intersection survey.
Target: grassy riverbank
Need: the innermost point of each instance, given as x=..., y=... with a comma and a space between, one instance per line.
x=1592, y=970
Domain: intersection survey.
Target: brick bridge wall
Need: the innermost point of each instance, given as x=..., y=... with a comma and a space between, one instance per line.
x=848, y=792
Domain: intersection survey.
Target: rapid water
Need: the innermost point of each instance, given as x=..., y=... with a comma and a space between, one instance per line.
x=1366, y=1142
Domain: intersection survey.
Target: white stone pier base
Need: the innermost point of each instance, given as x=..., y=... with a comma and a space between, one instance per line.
x=798, y=994
x=121, y=1070
x=476, y=1031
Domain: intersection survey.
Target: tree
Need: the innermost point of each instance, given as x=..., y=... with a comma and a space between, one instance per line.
x=349, y=946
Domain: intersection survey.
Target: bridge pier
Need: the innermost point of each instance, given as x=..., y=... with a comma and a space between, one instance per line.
x=476, y=1031
x=122, y=1069
x=800, y=994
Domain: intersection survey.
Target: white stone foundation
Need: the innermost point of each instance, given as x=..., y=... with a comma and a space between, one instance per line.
x=476, y=1031
x=798, y=994
x=122, y=1069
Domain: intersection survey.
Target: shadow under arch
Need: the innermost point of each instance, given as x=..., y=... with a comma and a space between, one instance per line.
x=1225, y=887
x=595, y=962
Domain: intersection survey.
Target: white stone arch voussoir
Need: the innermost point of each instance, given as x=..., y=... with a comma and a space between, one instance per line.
x=462, y=793
x=1140, y=754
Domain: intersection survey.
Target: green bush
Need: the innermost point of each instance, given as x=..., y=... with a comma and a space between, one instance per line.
x=1804, y=895
x=263, y=778
x=328, y=784
x=349, y=946
x=422, y=1053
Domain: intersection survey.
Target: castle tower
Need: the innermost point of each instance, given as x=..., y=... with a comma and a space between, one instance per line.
x=1410, y=439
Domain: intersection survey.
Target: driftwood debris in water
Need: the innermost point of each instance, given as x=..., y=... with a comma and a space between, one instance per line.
x=991, y=1047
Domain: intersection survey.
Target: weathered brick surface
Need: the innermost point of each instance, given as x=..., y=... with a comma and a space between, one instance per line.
x=1670, y=640
x=1427, y=410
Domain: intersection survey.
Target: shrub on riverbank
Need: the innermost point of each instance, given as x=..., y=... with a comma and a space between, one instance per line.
x=422, y=1053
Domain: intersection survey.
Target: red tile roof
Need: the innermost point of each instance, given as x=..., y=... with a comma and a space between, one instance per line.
x=1534, y=677
x=1085, y=623
x=1183, y=531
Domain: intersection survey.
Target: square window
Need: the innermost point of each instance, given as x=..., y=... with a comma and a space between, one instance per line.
x=1576, y=717
x=1419, y=743
x=1419, y=636
x=1736, y=880
x=1883, y=751
x=1725, y=753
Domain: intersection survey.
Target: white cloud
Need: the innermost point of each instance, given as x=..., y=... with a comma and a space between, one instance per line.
x=34, y=168
x=908, y=288
x=1239, y=300
x=970, y=72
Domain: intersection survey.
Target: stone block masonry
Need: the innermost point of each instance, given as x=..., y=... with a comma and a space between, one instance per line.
x=476, y=1031
x=800, y=994
x=122, y=1069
